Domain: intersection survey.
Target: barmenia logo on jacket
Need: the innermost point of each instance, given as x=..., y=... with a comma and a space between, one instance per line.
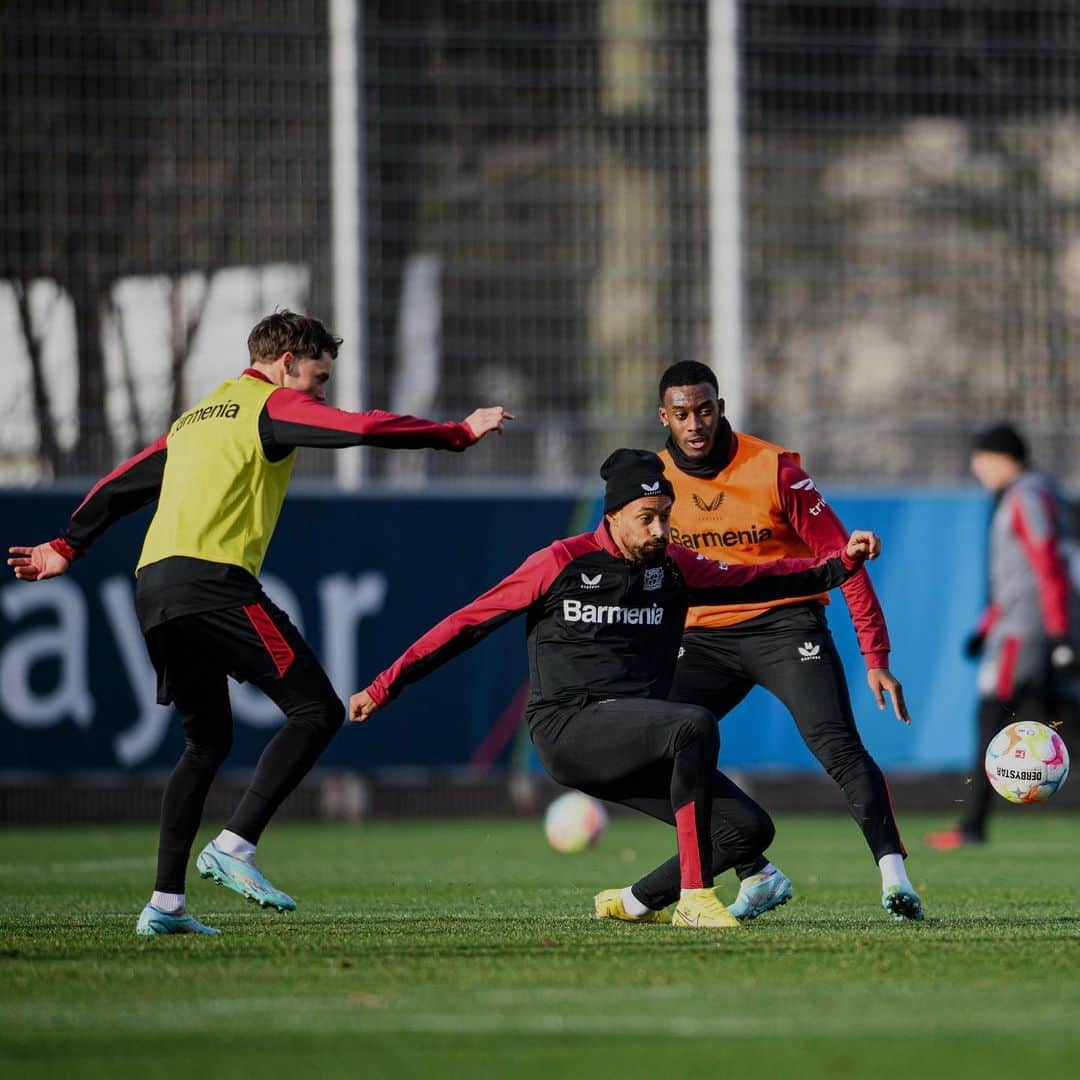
x=606, y=614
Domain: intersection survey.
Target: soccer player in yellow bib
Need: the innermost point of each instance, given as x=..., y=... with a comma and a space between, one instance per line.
x=219, y=477
x=744, y=501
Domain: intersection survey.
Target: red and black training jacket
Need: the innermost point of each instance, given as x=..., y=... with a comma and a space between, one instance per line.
x=598, y=625
x=290, y=418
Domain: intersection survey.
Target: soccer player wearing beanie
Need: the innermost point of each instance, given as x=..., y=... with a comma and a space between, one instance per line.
x=219, y=477
x=742, y=500
x=604, y=617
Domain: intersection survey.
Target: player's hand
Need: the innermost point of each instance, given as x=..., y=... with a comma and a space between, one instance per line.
x=361, y=706
x=37, y=563
x=482, y=421
x=882, y=682
x=863, y=545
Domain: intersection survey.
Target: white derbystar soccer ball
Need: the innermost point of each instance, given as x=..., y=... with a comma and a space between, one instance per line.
x=573, y=822
x=1026, y=762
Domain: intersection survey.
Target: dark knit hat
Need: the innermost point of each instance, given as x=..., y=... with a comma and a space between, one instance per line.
x=633, y=474
x=1002, y=439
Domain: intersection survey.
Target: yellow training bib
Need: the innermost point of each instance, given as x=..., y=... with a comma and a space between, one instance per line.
x=220, y=497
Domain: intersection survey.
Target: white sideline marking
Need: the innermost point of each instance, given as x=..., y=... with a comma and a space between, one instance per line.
x=374, y=1017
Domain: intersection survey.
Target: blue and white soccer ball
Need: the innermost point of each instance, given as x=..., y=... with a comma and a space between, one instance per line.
x=574, y=822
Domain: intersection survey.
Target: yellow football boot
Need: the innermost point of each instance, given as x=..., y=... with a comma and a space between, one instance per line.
x=609, y=905
x=702, y=909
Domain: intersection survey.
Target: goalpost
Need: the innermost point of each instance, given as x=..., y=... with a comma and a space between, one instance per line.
x=725, y=299
x=347, y=210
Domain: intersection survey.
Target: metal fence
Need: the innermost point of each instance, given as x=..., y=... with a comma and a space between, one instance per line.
x=911, y=182
x=536, y=220
x=162, y=183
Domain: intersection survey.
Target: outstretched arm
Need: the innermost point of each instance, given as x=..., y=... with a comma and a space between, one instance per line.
x=291, y=418
x=463, y=629
x=131, y=485
x=710, y=582
x=823, y=532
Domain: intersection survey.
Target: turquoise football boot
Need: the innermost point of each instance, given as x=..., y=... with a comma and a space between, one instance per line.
x=902, y=903
x=153, y=922
x=760, y=893
x=242, y=876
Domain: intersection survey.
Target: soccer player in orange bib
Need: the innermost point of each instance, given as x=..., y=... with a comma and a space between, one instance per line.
x=744, y=501
x=219, y=477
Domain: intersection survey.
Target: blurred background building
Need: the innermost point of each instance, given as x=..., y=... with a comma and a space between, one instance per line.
x=538, y=197
x=864, y=213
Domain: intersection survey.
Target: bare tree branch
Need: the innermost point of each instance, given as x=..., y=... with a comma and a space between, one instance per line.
x=184, y=329
x=49, y=449
x=128, y=372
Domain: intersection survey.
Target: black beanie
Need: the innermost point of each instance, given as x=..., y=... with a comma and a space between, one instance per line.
x=633, y=474
x=1002, y=439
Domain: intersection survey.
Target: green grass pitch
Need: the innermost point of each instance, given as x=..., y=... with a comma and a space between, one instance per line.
x=468, y=949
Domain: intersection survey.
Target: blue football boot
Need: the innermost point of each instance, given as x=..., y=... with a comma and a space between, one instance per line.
x=242, y=877
x=760, y=893
x=153, y=922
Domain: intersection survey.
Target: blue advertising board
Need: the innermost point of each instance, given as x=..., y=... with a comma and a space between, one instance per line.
x=363, y=576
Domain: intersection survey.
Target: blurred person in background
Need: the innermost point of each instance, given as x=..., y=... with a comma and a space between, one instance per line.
x=1025, y=639
x=219, y=477
x=604, y=617
x=743, y=500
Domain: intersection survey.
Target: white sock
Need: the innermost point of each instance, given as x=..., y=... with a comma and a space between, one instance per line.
x=632, y=905
x=171, y=903
x=235, y=845
x=892, y=871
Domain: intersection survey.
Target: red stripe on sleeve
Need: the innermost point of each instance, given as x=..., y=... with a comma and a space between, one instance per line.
x=62, y=547
x=274, y=642
x=1050, y=576
x=823, y=532
x=122, y=468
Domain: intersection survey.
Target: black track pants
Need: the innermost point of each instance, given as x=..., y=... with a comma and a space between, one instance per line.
x=660, y=759
x=193, y=656
x=790, y=652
